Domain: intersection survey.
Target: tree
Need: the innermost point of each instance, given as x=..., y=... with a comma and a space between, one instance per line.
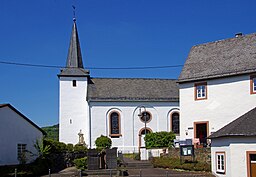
x=103, y=142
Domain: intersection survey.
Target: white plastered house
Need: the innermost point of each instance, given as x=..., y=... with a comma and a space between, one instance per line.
x=18, y=135
x=91, y=107
x=233, y=148
x=218, y=85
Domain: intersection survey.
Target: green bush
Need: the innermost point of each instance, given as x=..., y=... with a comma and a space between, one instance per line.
x=56, y=146
x=103, y=142
x=70, y=147
x=174, y=163
x=81, y=163
x=80, y=148
x=159, y=139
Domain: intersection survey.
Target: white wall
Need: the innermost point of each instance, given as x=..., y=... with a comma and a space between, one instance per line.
x=130, y=122
x=235, y=148
x=14, y=130
x=73, y=110
x=228, y=98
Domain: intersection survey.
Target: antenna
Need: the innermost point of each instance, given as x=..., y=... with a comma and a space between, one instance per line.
x=74, y=13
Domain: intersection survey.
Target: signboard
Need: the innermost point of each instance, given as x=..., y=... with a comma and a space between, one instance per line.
x=187, y=150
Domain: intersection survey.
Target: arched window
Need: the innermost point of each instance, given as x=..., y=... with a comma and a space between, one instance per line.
x=114, y=121
x=175, y=122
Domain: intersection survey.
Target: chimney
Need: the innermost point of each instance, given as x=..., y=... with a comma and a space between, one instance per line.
x=238, y=34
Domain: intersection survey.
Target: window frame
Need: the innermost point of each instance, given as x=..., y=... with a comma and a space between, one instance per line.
x=171, y=123
x=21, y=148
x=252, y=86
x=220, y=170
x=110, y=124
x=196, y=85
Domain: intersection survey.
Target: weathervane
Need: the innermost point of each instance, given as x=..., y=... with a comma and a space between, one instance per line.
x=74, y=13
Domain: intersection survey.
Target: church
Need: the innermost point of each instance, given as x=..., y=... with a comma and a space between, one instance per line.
x=124, y=109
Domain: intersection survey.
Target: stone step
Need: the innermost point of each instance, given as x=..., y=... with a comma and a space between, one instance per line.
x=139, y=164
x=100, y=172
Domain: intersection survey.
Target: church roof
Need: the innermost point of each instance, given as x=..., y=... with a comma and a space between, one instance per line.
x=243, y=126
x=222, y=58
x=133, y=89
x=24, y=117
x=74, y=64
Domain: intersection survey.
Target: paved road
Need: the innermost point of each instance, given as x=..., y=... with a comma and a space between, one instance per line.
x=150, y=172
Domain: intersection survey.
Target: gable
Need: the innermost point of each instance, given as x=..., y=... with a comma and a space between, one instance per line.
x=22, y=116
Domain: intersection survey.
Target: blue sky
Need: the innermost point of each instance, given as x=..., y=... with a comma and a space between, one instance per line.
x=113, y=33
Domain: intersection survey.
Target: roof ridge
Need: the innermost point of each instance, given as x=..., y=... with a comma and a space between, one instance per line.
x=226, y=39
x=131, y=78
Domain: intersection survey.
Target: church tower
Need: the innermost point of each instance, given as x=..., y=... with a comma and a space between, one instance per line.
x=73, y=105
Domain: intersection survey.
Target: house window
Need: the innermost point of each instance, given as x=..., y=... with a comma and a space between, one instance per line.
x=253, y=84
x=220, y=162
x=114, y=124
x=74, y=83
x=175, y=122
x=201, y=91
x=146, y=116
x=21, y=153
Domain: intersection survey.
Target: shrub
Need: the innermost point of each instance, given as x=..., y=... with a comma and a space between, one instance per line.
x=56, y=146
x=80, y=148
x=103, y=142
x=174, y=163
x=159, y=139
x=81, y=163
x=70, y=147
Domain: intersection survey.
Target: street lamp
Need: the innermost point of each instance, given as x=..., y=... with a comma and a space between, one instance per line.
x=144, y=116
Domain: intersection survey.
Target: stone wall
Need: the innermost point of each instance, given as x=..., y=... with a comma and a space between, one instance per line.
x=201, y=154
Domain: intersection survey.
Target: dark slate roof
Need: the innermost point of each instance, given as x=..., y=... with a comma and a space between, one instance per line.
x=132, y=89
x=222, y=58
x=74, y=64
x=24, y=117
x=243, y=126
x=78, y=72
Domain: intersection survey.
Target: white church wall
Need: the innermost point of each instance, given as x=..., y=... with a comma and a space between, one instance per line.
x=15, y=130
x=228, y=98
x=130, y=122
x=73, y=109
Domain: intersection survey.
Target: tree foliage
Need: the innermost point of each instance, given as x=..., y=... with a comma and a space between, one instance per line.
x=159, y=139
x=103, y=142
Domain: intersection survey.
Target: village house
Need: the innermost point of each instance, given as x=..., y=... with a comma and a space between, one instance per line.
x=233, y=147
x=18, y=136
x=90, y=107
x=217, y=86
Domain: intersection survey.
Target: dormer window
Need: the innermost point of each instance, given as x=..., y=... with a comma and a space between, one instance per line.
x=201, y=91
x=253, y=84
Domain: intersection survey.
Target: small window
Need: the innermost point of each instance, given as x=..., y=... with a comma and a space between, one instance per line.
x=201, y=91
x=220, y=162
x=253, y=84
x=74, y=83
x=21, y=153
x=114, y=124
x=175, y=122
x=145, y=116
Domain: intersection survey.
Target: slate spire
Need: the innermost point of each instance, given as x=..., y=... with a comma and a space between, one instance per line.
x=74, y=64
x=74, y=59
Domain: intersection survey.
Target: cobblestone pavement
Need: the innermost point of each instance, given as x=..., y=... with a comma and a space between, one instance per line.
x=149, y=172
